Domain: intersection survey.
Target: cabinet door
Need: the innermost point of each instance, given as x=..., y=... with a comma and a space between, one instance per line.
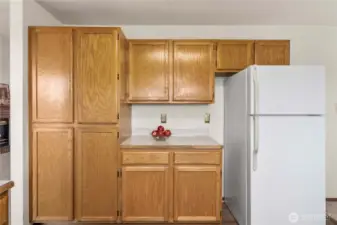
x=272, y=52
x=4, y=208
x=193, y=71
x=96, y=173
x=52, y=170
x=197, y=194
x=51, y=74
x=149, y=71
x=234, y=55
x=145, y=193
x=96, y=75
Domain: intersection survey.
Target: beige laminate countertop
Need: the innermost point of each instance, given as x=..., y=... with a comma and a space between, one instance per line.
x=194, y=142
x=5, y=185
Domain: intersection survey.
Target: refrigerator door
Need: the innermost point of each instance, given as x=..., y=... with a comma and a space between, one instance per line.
x=289, y=90
x=288, y=184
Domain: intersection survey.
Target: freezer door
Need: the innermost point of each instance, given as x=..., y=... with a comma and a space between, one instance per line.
x=288, y=185
x=287, y=89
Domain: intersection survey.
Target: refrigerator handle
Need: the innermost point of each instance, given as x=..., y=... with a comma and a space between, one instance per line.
x=256, y=120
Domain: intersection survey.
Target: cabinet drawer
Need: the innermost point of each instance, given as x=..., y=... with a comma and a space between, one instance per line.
x=145, y=158
x=197, y=158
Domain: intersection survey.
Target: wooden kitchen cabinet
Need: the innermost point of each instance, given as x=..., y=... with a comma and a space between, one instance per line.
x=193, y=72
x=234, y=55
x=78, y=111
x=96, y=75
x=145, y=193
x=4, y=208
x=52, y=169
x=197, y=192
x=96, y=173
x=145, y=186
x=149, y=70
x=51, y=75
x=171, y=186
x=272, y=52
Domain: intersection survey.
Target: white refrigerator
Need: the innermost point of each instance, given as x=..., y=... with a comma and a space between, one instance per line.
x=274, y=145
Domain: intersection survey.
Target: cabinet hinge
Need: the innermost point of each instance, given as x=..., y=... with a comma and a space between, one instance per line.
x=117, y=134
x=220, y=213
x=119, y=173
x=119, y=213
x=118, y=116
x=118, y=76
x=117, y=36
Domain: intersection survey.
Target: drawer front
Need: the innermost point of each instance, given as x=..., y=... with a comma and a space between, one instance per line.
x=145, y=158
x=197, y=158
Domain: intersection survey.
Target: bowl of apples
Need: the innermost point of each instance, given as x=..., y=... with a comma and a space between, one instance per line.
x=161, y=134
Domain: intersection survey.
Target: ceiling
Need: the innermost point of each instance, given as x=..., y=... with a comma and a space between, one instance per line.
x=4, y=18
x=193, y=12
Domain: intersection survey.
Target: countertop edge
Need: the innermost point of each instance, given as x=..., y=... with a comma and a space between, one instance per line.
x=5, y=187
x=182, y=147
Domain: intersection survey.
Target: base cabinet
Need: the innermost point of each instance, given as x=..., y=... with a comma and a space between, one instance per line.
x=145, y=193
x=4, y=208
x=197, y=193
x=167, y=186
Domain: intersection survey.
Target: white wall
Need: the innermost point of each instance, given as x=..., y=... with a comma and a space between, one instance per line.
x=309, y=45
x=4, y=59
x=182, y=119
x=4, y=78
x=23, y=13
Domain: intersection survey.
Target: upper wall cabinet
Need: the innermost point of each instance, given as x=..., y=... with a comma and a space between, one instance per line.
x=234, y=55
x=182, y=71
x=272, y=52
x=193, y=73
x=51, y=75
x=96, y=75
x=149, y=71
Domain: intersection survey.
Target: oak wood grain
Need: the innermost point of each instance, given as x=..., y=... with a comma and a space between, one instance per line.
x=145, y=193
x=52, y=169
x=51, y=72
x=124, y=106
x=206, y=157
x=96, y=76
x=193, y=71
x=5, y=187
x=4, y=220
x=96, y=173
x=272, y=52
x=234, y=55
x=149, y=70
x=197, y=193
x=146, y=157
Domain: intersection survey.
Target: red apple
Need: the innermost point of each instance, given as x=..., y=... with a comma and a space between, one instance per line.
x=160, y=128
x=161, y=133
x=154, y=133
x=167, y=133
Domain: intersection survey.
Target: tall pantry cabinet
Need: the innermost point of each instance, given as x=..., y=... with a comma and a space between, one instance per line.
x=76, y=92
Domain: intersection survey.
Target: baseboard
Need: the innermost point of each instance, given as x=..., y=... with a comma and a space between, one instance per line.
x=331, y=199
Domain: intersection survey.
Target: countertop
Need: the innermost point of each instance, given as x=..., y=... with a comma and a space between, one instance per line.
x=5, y=185
x=195, y=142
